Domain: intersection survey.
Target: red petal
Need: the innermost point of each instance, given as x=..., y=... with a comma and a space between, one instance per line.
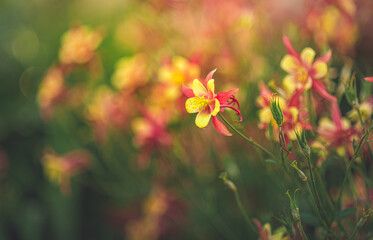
x=289, y=47
x=336, y=115
x=369, y=79
x=224, y=96
x=209, y=76
x=319, y=88
x=187, y=91
x=220, y=126
x=326, y=57
x=295, y=99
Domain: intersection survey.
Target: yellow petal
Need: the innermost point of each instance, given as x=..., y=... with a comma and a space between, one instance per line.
x=289, y=83
x=203, y=118
x=193, y=105
x=211, y=85
x=307, y=56
x=217, y=107
x=198, y=88
x=289, y=63
x=321, y=69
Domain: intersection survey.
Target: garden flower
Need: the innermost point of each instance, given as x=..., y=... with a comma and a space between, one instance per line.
x=265, y=232
x=131, y=73
x=60, y=168
x=79, y=45
x=52, y=91
x=337, y=133
x=305, y=72
x=366, y=110
x=369, y=79
x=150, y=133
x=207, y=104
x=107, y=110
x=178, y=72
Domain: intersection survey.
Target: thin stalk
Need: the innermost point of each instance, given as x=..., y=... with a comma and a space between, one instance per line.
x=363, y=127
x=301, y=230
x=243, y=212
x=319, y=206
x=248, y=139
x=356, y=230
x=356, y=154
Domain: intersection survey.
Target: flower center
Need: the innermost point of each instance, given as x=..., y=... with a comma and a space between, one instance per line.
x=201, y=103
x=302, y=75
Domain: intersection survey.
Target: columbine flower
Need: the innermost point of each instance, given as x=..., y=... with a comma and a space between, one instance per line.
x=79, y=45
x=208, y=104
x=337, y=133
x=305, y=72
x=60, y=168
x=52, y=91
x=150, y=133
x=131, y=73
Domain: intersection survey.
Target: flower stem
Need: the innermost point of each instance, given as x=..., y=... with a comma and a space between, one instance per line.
x=356, y=154
x=248, y=139
x=315, y=192
x=363, y=127
x=302, y=231
x=243, y=212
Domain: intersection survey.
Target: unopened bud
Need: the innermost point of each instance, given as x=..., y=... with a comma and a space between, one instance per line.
x=303, y=143
x=227, y=182
x=301, y=174
x=294, y=206
x=364, y=218
x=276, y=110
x=350, y=91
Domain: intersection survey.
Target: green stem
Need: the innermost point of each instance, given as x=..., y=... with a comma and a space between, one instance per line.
x=356, y=154
x=302, y=231
x=243, y=212
x=363, y=127
x=319, y=206
x=248, y=139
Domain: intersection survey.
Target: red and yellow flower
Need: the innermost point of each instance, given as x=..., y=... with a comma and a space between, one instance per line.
x=60, y=168
x=203, y=101
x=304, y=72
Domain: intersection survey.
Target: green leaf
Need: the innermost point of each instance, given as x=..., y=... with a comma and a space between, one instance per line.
x=271, y=161
x=344, y=213
x=310, y=219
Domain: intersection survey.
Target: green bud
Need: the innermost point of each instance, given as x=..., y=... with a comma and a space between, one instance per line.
x=294, y=206
x=276, y=110
x=224, y=176
x=301, y=174
x=303, y=143
x=350, y=91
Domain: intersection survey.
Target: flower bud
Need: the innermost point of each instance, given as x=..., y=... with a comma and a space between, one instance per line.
x=276, y=110
x=364, y=218
x=294, y=206
x=301, y=174
x=228, y=182
x=303, y=143
x=350, y=91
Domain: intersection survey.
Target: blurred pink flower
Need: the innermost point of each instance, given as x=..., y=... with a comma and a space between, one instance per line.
x=60, y=168
x=51, y=91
